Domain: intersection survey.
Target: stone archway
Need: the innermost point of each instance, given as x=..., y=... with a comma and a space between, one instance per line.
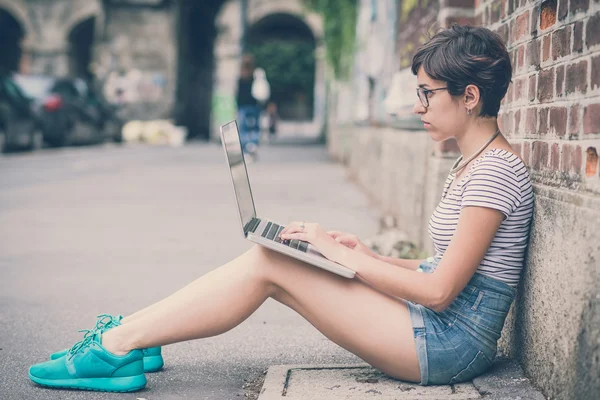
x=196, y=32
x=81, y=41
x=11, y=38
x=227, y=61
x=284, y=46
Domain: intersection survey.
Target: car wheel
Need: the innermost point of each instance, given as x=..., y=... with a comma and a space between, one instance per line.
x=37, y=140
x=3, y=145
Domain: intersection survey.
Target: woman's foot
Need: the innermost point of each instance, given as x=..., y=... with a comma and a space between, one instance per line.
x=89, y=366
x=153, y=361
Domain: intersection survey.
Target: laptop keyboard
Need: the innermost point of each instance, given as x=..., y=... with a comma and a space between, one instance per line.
x=272, y=231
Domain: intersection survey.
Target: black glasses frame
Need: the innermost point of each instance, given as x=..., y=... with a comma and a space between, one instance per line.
x=423, y=95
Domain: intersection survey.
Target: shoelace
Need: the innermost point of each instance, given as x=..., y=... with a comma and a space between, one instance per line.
x=104, y=321
x=88, y=337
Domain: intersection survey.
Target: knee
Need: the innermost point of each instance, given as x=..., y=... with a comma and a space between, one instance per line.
x=262, y=262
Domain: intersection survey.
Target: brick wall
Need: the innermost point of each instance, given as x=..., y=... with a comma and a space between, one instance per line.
x=415, y=19
x=551, y=112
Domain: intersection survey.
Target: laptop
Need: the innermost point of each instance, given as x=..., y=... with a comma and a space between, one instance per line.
x=260, y=230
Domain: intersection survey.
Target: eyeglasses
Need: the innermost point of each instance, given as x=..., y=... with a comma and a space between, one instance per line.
x=423, y=95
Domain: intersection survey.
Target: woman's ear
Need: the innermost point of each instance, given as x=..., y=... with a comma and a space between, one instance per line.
x=471, y=96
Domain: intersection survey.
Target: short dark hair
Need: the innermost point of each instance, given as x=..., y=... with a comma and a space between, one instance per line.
x=464, y=55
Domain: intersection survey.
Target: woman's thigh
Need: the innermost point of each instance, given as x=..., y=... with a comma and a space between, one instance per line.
x=374, y=326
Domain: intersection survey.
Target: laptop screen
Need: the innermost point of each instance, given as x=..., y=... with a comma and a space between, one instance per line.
x=241, y=184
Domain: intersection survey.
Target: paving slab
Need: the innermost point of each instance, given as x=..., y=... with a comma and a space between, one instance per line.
x=360, y=381
x=504, y=381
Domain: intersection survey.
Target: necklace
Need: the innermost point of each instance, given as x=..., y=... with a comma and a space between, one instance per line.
x=456, y=168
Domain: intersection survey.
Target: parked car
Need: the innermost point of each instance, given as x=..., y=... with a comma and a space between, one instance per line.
x=71, y=112
x=54, y=119
x=19, y=122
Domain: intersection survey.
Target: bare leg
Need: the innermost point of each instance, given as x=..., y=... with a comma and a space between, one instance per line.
x=368, y=323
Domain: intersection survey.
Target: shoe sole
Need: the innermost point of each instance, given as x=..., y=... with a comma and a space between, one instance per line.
x=120, y=385
x=153, y=363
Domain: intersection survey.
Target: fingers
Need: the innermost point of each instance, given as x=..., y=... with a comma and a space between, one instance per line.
x=292, y=227
x=349, y=240
x=336, y=234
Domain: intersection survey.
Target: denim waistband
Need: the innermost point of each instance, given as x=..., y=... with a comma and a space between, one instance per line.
x=482, y=282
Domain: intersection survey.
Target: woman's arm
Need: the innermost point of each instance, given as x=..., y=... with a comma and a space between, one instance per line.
x=401, y=262
x=475, y=231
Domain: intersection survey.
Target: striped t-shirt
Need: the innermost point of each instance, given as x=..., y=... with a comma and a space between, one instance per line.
x=498, y=179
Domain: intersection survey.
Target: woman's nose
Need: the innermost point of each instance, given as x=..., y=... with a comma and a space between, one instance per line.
x=418, y=108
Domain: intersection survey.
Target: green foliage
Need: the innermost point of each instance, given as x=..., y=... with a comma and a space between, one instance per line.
x=339, y=19
x=289, y=65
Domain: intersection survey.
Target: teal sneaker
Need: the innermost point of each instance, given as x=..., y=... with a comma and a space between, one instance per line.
x=89, y=366
x=153, y=361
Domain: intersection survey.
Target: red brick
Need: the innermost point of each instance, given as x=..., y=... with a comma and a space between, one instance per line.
x=526, y=153
x=535, y=18
x=565, y=162
x=595, y=81
x=517, y=121
x=578, y=5
x=591, y=119
x=554, y=157
x=509, y=93
x=531, y=121
x=545, y=48
x=512, y=32
x=495, y=11
x=574, y=120
x=502, y=31
x=532, y=87
x=563, y=9
x=511, y=7
x=560, y=79
x=577, y=159
x=561, y=43
x=591, y=30
x=533, y=53
x=520, y=88
x=503, y=9
x=578, y=37
x=520, y=57
x=522, y=25
x=545, y=84
x=548, y=14
x=539, y=159
x=591, y=162
x=558, y=120
x=543, y=117
x=577, y=77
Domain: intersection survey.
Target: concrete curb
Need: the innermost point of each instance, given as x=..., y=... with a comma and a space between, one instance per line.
x=505, y=381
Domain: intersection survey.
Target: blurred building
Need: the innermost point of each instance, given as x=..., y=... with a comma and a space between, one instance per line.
x=161, y=58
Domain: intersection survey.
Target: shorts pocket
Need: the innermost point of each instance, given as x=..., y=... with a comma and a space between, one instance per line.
x=479, y=365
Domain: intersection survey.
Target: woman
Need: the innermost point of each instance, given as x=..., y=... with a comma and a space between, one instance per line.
x=434, y=321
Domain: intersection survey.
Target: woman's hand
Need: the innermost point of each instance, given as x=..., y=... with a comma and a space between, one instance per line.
x=315, y=235
x=352, y=242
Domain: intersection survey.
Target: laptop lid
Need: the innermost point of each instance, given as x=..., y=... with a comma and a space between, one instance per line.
x=230, y=137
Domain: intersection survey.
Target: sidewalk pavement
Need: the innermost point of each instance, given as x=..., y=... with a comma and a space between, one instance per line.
x=505, y=381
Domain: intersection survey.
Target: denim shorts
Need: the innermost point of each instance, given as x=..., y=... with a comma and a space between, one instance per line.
x=459, y=343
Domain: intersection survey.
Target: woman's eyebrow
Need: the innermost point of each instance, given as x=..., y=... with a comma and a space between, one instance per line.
x=423, y=85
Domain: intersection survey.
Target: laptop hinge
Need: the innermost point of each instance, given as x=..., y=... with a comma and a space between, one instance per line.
x=251, y=225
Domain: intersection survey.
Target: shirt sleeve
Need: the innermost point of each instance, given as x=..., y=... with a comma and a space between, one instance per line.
x=493, y=183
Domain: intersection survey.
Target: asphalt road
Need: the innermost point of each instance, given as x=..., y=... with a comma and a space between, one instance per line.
x=109, y=229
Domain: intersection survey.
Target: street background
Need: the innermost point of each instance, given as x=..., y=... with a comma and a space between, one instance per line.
x=112, y=230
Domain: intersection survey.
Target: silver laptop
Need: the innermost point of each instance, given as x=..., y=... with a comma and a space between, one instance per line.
x=262, y=230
